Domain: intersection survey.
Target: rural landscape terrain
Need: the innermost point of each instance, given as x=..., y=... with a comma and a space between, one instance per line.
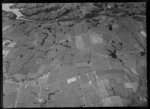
x=74, y=54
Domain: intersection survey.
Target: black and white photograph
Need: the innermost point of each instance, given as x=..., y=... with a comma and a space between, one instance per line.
x=90, y=54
